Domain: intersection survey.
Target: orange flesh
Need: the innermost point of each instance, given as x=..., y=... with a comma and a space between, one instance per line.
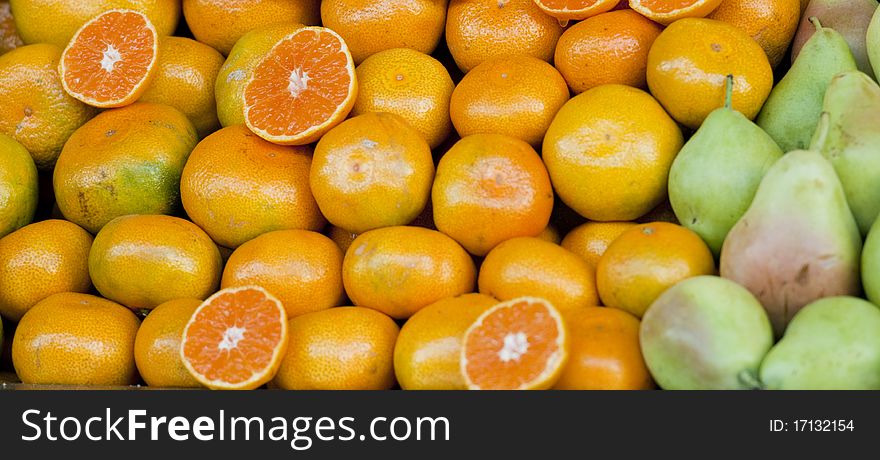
x=299, y=85
x=111, y=57
x=666, y=6
x=568, y=5
x=235, y=337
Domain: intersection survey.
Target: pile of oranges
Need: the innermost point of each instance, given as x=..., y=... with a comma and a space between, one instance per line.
x=354, y=194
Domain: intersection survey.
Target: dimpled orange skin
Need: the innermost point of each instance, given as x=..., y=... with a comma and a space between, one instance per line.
x=157, y=345
x=39, y=260
x=400, y=270
x=19, y=186
x=76, y=339
x=428, y=349
x=490, y=188
x=477, y=30
x=517, y=96
x=609, y=151
x=690, y=61
x=142, y=261
x=345, y=348
x=34, y=109
x=220, y=23
x=608, y=48
x=646, y=260
x=604, y=352
x=302, y=269
x=236, y=186
x=533, y=267
x=772, y=23
x=371, y=26
x=372, y=171
x=342, y=237
x=591, y=239
x=9, y=37
x=408, y=83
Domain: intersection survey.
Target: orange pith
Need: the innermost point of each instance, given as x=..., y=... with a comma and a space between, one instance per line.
x=303, y=87
x=516, y=345
x=110, y=60
x=235, y=339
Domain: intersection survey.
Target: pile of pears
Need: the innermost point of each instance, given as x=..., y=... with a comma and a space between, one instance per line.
x=789, y=205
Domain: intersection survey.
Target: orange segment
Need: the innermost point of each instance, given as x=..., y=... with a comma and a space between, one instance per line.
x=668, y=11
x=235, y=339
x=520, y=344
x=110, y=60
x=303, y=87
x=565, y=10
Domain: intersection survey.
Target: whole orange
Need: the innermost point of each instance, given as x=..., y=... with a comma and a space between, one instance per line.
x=609, y=48
x=491, y=188
x=157, y=345
x=236, y=186
x=9, y=36
x=428, y=349
x=517, y=96
x=371, y=26
x=19, y=186
x=609, y=151
x=646, y=260
x=689, y=64
x=477, y=30
x=142, y=261
x=345, y=348
x=604, y=352
x=39, y=260
x=400, y=270
x=772, y=23
x=590, y=240
x=374, y=170
x=76, y=339
x=533, y=267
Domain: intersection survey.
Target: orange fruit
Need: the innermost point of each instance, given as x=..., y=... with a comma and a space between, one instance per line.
x=19, y=186
x=772, y=23
x=646, y=260
x=604, y=49
x=34, y=109
x=239, y=67
x=590, y=240
x=609, y=151
x=477, y=30
x=550, y=234
x=342, y=237
x=304, y=86
x=668, y=11
x=428, y=349
x=400, y=270
x=372, y=171
x=345, y=348
x=76, y=339
x=142, y=261
x=124, y=161
x=9, y=37
x=689, y=64
x=220, y=23
x=604, y=352
x=302, y=269
x=157, y=345
x=566, y=10
x=490, y=188
x=39, y=260
x=371, y=26
x=111, y=59
x=236, y=339
x=530, y=266
x=185, y=80
x=521, y=344
x=237, y=186
x=517, y=96
x=408, y=83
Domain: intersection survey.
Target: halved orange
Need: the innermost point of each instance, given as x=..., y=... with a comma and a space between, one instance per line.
x=566, y=10
x=111, y=59
x=235, y=339
x=304, y=86
x=668, y=11
x=520, y=344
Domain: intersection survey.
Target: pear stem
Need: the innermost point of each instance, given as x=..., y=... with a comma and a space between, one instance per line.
x=749, y=379
x=728, y=92
x=816, y=23
x=822, y=131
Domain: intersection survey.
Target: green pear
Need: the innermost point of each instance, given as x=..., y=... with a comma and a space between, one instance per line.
x=852, y=142
x=715, y=175
x=848, y=17
x=872, y=42
x=832, y=344
x=798, y=241
x=705, y=333
x=871, y=264
x=792, y=111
